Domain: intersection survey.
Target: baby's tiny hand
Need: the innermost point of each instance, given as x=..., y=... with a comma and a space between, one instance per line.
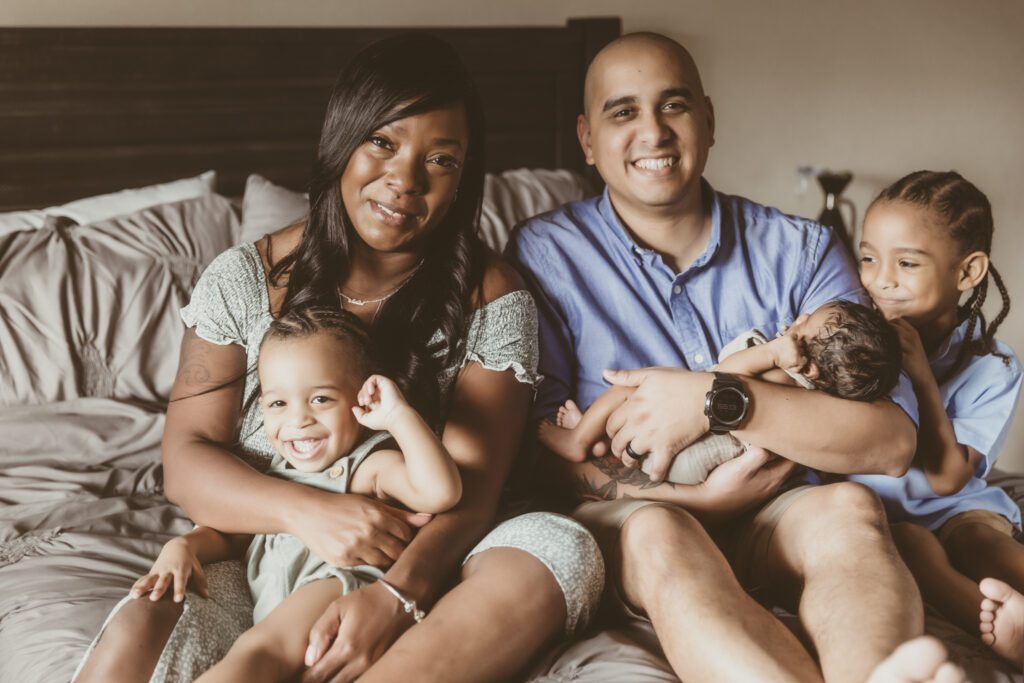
x=789, y=352
x=175, y=565
x=380, y=400
x=915, y=358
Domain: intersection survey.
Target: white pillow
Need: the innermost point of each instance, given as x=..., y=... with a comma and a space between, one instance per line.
x=513, y=196
x=267, y=207
x=104, y=206
x=509, y=198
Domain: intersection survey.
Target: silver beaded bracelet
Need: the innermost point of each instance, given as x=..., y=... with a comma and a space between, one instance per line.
x=407, y=604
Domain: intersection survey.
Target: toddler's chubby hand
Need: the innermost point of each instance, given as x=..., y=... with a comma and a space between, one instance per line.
x=789, y=352
x=380, y=402
x=174, y=567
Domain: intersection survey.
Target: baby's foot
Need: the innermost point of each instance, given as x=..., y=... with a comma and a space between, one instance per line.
x=560, y=441
x=569, y=415
x=921, y=660
x=1002, y=619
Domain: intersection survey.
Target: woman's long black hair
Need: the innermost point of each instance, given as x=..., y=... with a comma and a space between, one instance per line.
x=390, y=80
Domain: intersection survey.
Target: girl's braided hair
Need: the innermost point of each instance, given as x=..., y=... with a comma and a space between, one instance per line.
x=967, y=214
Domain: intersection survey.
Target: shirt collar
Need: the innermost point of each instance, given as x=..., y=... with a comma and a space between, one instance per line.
x=944, y=356
x=624, y=237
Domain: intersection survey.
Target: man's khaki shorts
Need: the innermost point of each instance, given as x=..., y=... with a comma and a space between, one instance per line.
x=987, y=518
x=744, y=541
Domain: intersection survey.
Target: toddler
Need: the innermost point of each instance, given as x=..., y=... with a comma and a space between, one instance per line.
x=319, y=398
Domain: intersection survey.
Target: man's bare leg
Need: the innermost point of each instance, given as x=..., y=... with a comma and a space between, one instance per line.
x=832, y=551
x=710, y=629
x=488, y=628
x=132, y=642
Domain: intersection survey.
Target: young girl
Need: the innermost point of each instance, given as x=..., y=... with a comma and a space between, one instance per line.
x=317, y=394
x=927, y=241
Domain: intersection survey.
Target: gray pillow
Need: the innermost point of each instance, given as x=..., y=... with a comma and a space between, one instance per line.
x=92, y=310
x=267, y=207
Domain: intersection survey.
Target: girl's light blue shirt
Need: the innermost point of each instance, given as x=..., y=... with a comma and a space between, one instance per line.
x=980, y=400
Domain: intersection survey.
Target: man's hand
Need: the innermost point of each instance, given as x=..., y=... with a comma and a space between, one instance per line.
x=662, y=417
x=354, y=632
x=745, y=481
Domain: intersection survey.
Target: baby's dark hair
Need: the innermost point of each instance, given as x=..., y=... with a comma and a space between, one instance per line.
x=857, y=353
x=345, y=327
x=967, y=215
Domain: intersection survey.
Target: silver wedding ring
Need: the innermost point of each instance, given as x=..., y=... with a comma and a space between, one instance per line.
x=633, y=454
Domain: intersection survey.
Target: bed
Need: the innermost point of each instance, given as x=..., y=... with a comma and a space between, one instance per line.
x=214, y=131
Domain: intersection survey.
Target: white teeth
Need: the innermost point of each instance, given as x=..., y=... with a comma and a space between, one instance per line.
x=654, y=164
x=389, y=212
x=305, y=445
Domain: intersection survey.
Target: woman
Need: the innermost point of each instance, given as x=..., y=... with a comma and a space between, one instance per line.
x=391, y=237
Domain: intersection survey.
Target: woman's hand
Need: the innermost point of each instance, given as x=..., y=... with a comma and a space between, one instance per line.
x=380, y=401
x=915, y=360
x=175, y=566
x=349, y=529
x=354, y=632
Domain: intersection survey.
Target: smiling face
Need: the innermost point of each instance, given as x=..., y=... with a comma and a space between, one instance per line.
x=648, y=125
x=308, y=396
x=399, y=184
x=909, y=264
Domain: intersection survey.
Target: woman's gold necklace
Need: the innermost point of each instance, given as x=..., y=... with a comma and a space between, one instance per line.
x=381, y=299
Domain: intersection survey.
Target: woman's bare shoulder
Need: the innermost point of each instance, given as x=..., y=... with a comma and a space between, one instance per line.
x=500, y=279
x=279, y=244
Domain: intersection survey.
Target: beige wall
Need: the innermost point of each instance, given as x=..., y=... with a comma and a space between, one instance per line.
x=878, y=87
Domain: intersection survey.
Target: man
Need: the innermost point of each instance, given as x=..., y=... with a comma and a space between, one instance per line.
x=662, y=271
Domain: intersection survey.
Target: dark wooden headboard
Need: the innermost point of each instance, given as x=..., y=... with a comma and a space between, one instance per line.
x=85, y=111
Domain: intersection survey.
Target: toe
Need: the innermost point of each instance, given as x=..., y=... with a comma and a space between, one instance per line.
x=997, y=590
x=949, y=673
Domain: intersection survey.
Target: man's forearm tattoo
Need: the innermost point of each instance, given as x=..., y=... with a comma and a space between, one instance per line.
x=586, y=489
x=613, y=468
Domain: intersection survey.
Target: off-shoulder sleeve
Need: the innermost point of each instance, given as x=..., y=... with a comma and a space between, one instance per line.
x=503, y=336
x=227, y=298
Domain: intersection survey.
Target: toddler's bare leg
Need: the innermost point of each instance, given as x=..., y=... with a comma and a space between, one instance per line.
x=275, y=648
x=575, y=444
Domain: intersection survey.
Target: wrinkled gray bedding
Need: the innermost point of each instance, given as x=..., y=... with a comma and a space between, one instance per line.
x=82, y=515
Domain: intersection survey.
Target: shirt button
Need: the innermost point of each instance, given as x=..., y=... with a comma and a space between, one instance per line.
x=677, y=290
x=699, y=358
x=335, y=472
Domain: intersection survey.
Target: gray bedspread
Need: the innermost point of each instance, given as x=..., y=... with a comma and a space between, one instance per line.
x=82, y=515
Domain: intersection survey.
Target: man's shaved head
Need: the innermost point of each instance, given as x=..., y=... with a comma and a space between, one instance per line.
x=628, y=45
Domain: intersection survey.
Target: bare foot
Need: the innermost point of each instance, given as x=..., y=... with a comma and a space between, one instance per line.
x=561, y=441
x=921, y=660
x=569, y=415
x=1002, y=619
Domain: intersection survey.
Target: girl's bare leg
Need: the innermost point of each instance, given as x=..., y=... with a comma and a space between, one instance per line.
x=132, y=642
x=979, y=551
x=941, y=584
x=488, y=628
x=275, y=648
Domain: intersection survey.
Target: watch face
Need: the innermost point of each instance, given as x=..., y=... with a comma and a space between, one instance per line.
x=729, y=405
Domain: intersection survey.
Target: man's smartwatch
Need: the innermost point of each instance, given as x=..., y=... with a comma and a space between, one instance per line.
x=727, y=403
